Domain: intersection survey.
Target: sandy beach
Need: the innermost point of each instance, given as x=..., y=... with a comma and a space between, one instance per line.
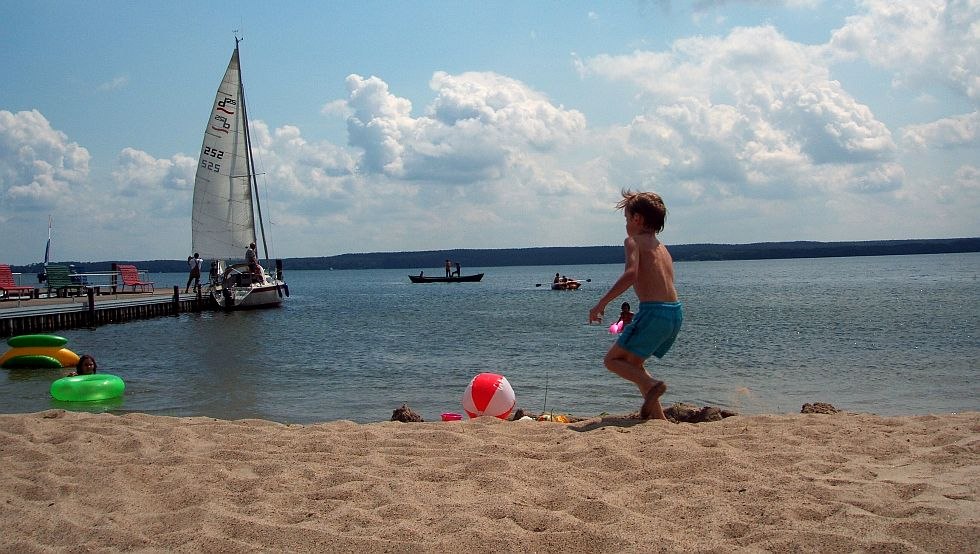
x=810, y=482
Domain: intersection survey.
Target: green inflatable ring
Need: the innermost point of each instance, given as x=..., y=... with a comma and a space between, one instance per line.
x=86, y=388
x=30, y=361
x=37, y=340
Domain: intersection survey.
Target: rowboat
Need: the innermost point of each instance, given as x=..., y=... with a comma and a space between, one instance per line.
x=566, y=285
x=458, y=279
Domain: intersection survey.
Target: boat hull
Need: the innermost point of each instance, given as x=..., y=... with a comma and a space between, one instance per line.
x=462, y=279
x=237, y=290
x=245, y=298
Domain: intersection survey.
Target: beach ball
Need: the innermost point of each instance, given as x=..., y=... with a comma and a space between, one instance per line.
x=489, y=394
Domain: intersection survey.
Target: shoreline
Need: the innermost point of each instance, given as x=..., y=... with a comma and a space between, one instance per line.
x=811, y=482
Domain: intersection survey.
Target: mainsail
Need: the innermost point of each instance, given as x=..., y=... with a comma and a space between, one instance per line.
x=222, y=220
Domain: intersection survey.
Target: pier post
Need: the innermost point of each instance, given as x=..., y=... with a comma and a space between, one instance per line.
x=176, y=302
x=91, y=306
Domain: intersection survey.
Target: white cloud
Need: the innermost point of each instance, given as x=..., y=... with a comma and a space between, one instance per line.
x=949, y=132
x=923, y=41
x=314, y=175
x=39, y=166
x=751, y=113
x=139, y=173
x=968, y=179
x=114, y=84
x=475, y=129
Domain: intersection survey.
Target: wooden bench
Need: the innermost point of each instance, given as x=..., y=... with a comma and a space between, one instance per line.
x=131, y=278
x=60, y=281
x=9, y=287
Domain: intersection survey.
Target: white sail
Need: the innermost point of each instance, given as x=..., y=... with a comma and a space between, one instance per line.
x=222, y=221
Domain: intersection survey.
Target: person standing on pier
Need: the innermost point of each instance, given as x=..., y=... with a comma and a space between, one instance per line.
x=195, y=274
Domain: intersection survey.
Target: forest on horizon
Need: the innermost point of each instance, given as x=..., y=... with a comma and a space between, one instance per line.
x=572, y=255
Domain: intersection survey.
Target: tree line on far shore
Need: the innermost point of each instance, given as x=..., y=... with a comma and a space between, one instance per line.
x=572, y=255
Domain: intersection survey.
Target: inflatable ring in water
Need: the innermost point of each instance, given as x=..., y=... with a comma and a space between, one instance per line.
x=31, y=361
x=37, y=340
x=63, y=355
x=86, y=388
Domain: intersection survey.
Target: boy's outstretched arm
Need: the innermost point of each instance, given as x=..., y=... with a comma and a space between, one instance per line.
x=622, y=284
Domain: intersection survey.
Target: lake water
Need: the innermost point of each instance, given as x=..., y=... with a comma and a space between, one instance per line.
x=889, y=335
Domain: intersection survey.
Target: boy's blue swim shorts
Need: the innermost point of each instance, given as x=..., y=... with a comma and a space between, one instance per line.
x=653, y=330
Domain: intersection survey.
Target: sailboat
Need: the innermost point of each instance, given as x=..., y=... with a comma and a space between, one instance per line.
x=226, y=204
x=42, y=276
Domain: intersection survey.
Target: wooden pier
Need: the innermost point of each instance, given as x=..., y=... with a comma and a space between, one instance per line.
x=42, y=315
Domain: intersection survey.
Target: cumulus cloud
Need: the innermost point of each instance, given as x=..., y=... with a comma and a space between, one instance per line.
x=138, y=172
x=39, y=165
x=923, y=41
x=750, y=113
x=950, y=132
x=967, y=178
x=475, y=129
x=303, y=171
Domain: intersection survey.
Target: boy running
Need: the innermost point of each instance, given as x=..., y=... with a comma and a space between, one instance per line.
x=650, y=271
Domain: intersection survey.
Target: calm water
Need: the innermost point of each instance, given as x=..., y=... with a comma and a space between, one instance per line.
x=889, y=335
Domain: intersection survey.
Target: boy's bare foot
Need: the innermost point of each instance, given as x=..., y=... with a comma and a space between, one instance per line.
x=651, y=398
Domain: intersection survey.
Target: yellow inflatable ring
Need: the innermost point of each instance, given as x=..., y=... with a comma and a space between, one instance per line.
x=63, y=355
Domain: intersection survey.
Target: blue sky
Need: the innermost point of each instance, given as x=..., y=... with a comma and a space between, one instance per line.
x=386, y=126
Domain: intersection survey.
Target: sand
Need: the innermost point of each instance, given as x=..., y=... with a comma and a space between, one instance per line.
x=842, y=482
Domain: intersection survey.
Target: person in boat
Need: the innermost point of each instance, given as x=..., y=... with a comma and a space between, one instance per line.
x=458, y=269
x=557, y=279
x=195, y=274
x=449, y=269
x=252, y=258
x=86, y=366
x=650, y=271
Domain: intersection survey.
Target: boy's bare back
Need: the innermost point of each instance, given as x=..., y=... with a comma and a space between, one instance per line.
x=654, y=269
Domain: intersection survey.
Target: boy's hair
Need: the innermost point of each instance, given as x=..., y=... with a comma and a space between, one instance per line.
x=648, y=204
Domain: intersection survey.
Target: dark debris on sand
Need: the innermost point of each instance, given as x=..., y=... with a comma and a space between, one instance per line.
x=819, y=408
x=406, y=415
x=689, y=413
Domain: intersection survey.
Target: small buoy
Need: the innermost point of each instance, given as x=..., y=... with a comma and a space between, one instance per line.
x=489, y=394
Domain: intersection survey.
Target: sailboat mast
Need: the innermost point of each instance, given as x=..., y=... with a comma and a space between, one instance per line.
x=253, y=181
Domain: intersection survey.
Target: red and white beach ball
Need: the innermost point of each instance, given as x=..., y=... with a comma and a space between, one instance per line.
x=489, y=394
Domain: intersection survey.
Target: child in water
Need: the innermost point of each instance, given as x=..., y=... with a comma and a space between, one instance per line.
x=625, y=315
x=86, y=366
x=650, y=271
